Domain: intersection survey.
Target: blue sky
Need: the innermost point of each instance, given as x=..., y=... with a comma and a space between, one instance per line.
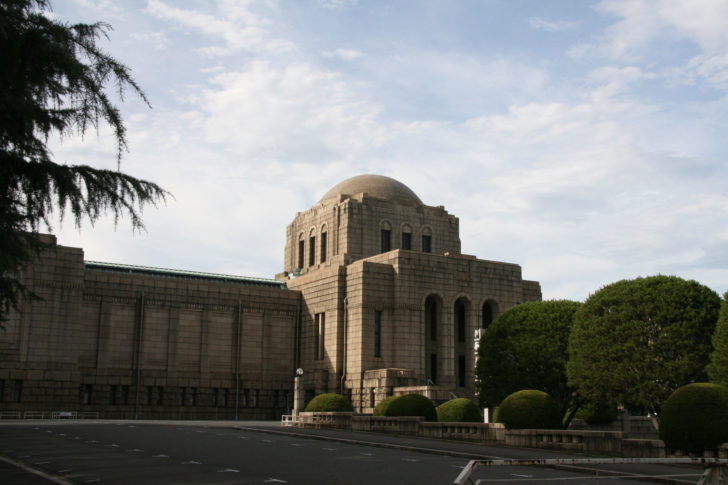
x=585, y=141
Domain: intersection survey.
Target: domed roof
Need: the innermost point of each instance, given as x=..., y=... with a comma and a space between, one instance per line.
x=377, y=186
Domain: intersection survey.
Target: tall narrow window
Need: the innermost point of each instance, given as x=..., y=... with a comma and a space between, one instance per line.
x=385, y=237
x=125, y=395
x=182, y=396
x=323, y=247
x=160, y=395
x=406, y=240
x=301, y=252
x=460, y=319
x=461, y=370
x=312, y=250
x=147, y=398
x=16, y=390
x=2, y=389
x=377, y=333
x=86, y=390
x=426, y=240
x=433, y=321
x=214, y=397
x=112, y=395
x=433, y=368
x=406, y=237
x=320, y=324
x=489, y=308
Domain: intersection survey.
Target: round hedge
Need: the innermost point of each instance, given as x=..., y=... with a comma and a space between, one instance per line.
x=598, y=413
x=695, y=418
x=458, y=410
x=412, y=405
x=529, y=409
x=381, y=408
x=329, y=403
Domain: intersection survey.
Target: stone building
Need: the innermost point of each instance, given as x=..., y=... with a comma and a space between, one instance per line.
x=375, y=299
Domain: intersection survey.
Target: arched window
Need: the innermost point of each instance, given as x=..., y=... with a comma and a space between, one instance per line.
x=312, y=248
x=385, y=237
x=406, y=236
x=490, y=310
x=301, y=251
x=426, y=240
x=323, y=244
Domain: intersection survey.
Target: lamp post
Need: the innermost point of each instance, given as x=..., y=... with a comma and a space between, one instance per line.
x=298, y=393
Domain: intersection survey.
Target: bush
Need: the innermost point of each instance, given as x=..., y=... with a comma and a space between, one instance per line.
x=459, y=410
x=529, y=409
x=695, y=418
x=381, y=408
x=598, y=413
x=412, y=405
x=329, y=403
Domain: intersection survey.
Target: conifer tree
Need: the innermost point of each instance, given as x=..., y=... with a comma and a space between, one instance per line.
x=56, y=81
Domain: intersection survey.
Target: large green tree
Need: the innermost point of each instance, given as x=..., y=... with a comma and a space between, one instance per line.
x=635, y=341
x=718, y=367
x=55, y=80
x=526, y=348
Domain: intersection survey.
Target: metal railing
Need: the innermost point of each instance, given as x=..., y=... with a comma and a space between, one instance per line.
x=49, y=414
x=714, y=473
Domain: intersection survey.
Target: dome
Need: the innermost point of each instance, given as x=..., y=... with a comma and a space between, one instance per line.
x=377, y=186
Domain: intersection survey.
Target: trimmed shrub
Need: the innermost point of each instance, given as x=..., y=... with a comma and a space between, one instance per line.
x=458, y=410
x=529, y=409
x=695, y=418
x=329, y=403
x=381, y=408
x=598, y=413
x=412, y=405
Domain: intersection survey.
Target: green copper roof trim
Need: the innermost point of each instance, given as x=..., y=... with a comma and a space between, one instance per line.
x=177, y=273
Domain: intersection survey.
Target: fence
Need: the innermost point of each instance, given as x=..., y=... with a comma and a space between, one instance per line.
x=49, y=415
x=714, y=471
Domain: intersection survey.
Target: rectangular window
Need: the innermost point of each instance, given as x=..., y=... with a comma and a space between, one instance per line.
x=377, y=333
x=301, y=254
x=245, y=398
x=254, y=398
x=16, y=390
x=224, y=399
x=147, y=399
x=276, y=395
x=319, y=335
x=433, y=368
x=214, y=397
x=86, y=390
x=160, y=395
x=2, y=388
x=112, y=395
x=193, y=396
x=386, y=240
x=286, y=402
x=312, y=251
x=323, y=246
x=182, y=396
x=406, y=240
x=426, y=244
x=461, y=370
x=125, y=395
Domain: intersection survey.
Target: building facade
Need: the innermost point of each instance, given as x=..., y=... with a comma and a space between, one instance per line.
x=375, y=299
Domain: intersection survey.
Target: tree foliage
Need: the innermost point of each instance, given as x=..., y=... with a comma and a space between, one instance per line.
x=526, y=348
x=329, y=403
x=56, y=81
x=529, y=409
x=718, y=367
x=635, y=341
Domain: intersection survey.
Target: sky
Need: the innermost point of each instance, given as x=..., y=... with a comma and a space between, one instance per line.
x=584, y=141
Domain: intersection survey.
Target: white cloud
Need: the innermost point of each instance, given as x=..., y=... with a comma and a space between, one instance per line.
x=344, y=54
x=558, y=26
x=236, y=25
x=157, y=40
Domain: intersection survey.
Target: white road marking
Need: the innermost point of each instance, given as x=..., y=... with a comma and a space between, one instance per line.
x=113, y=445
x=62, y=434
x=267, y=441
x=457, y=466
x=220, y=434
x=160, y=456
x=367, y=454
x=191, y=462
x=330, y=449
x=92, y=480
x=200, y=431
x=275, y=480
x=42, y=462
x=296, y=444
x=410, y=459
x=521, y=476
x=228, y=470
x=92, y=441
x=243, y=437
x=134, y=450
x=65, y=470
